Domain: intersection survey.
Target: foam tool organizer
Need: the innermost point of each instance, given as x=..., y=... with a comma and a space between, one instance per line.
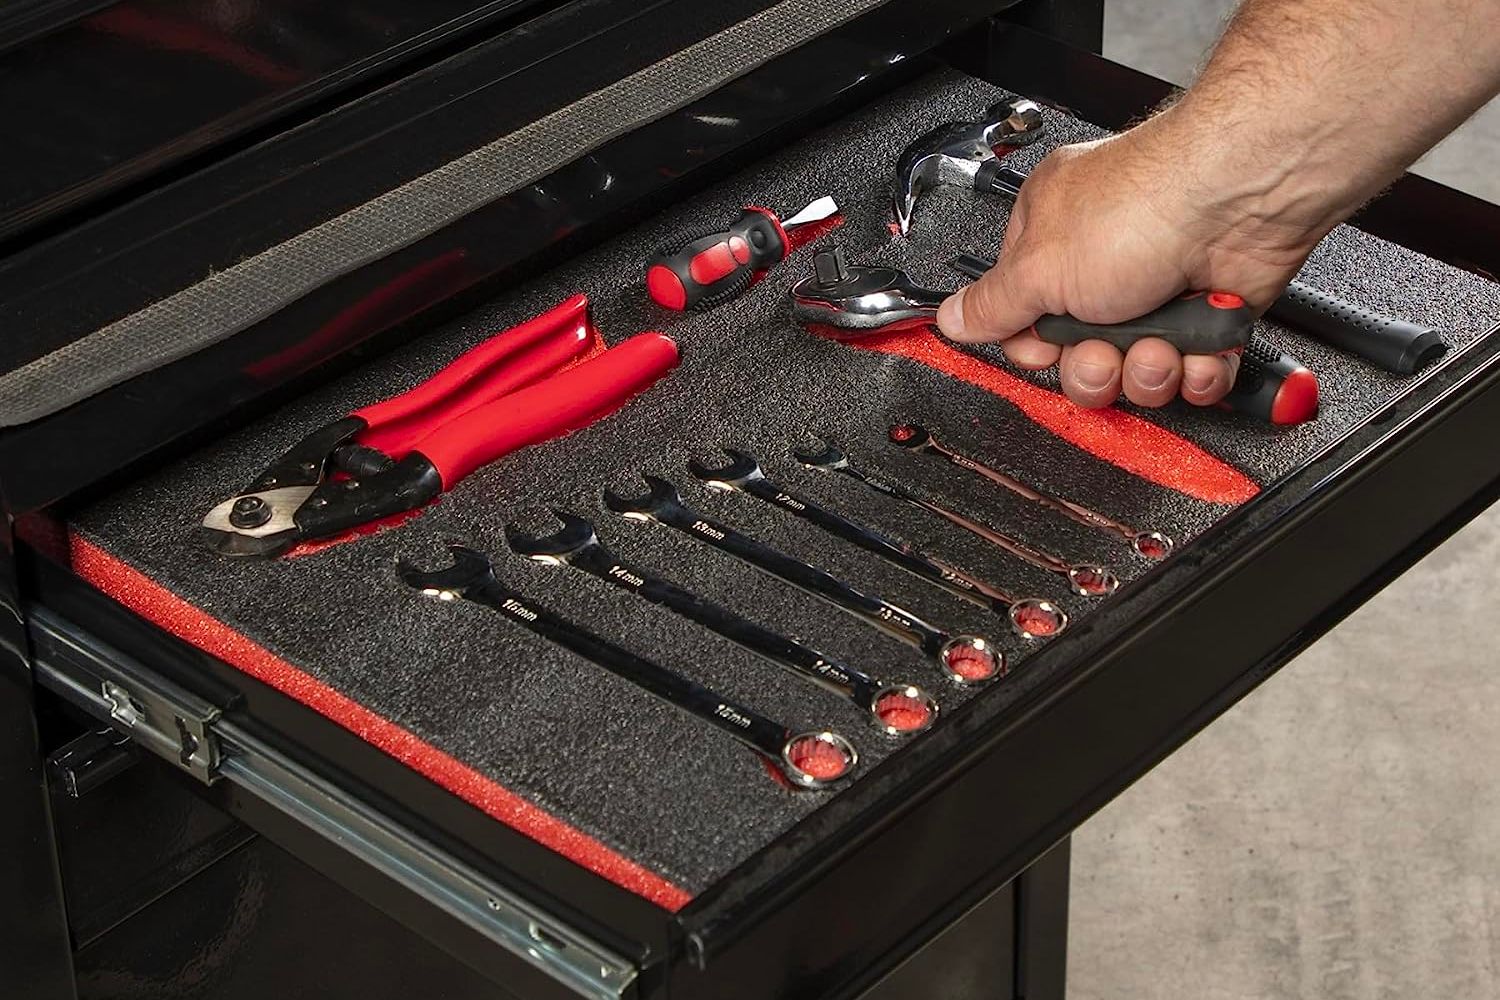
x=831, y=548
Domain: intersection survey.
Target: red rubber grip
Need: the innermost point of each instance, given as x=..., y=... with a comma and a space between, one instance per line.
x=500, y=365
x=709, y=268
x=565, y=402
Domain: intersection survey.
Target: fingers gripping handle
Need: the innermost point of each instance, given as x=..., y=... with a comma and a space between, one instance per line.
x=566, y=402
x=1194, y=324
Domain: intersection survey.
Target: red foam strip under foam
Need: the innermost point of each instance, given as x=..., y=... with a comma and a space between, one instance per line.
x=1120, y=438
x=163, y=608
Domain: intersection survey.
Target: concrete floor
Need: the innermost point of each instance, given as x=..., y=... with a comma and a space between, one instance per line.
x=1336, y=834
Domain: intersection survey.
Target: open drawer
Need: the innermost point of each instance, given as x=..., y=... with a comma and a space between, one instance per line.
x=567, y=834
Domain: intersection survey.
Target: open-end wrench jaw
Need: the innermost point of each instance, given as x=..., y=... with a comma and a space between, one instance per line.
x=741, y=469
x=471, y=570
x=661, y=496
x=820, y=453
x=575, y=535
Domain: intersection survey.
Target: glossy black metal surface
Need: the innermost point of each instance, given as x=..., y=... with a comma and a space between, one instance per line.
x=131, y=840
x=195, y=225
x=261, y=923
x=35, y=948
x=111, y=93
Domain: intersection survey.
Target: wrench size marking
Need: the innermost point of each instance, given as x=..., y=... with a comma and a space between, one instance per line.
x=708, y=530
x=790, y=502
x=520, y=610
x=730, y=715
x=624, y=575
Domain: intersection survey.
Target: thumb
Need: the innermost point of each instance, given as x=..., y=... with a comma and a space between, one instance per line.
x=998, y=306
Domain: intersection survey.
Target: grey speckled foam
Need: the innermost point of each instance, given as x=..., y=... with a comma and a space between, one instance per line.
x=661, y=788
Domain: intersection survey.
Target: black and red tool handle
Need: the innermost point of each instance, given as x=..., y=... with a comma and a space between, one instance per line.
x=1394, y=344
x=717, y=266
x=1196, y=323
x=1271, y=385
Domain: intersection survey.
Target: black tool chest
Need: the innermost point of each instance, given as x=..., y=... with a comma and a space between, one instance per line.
x=233, y=776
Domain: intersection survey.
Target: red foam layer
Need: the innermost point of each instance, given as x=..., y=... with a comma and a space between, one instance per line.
x=163, y=608
x=1118, y=437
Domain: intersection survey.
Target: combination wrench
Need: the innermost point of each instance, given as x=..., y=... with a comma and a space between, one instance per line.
x=965, y=659
x=1151, y=544
x=895, y=709
x=807, y=760
x=1086, y=580
x=1031, y=617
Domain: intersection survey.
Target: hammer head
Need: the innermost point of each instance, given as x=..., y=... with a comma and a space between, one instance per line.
x=955, y=152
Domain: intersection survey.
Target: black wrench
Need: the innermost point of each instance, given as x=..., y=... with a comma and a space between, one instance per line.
x=895, y=709
x=1031, y=617
x=1086, y=580
x=1151, y=544
x=966, y=659
x=809, y=760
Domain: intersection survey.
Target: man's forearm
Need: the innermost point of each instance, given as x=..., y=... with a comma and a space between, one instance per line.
x=1307, y=108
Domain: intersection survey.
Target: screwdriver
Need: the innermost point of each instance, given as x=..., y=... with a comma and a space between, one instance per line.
x=1271, y=385
x=715, y=267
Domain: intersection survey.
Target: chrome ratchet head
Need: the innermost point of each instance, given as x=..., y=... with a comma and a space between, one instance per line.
x=470, y=570
x=741, y=469
x=660, y=496
x=575, y=535
x=962, y=154
x=820, y=453
x=859, y=299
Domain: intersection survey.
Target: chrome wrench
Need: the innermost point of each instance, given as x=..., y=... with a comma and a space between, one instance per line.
x=1031, y=617
x=966, y=659
x=895, y=709
x=808, y=760
x=1151, y=544
x=1086, y=580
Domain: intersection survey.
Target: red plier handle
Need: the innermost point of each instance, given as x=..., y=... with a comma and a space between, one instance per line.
x=518, y=388
x=509, y=392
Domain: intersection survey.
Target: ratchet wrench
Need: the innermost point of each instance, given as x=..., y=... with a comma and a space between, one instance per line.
x=1086, y=580
x=965, y=659
x=895, y=709
x=1151, y=544
x=1031, y=617
x=808, y=760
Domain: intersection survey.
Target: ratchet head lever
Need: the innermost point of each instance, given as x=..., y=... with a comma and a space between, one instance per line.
x=575, y=535
x=470, y=571
x=742, y=468
x=858, y=299
x=660, y=497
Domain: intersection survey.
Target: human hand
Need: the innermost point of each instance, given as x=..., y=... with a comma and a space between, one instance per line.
x=1110, y=230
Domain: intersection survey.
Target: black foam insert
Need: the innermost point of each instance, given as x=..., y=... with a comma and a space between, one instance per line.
x=655, y=785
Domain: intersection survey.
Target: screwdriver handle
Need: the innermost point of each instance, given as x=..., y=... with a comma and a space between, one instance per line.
x=708, y=269
x=1393, y=344
x=1273, y=386
x=1196, y=323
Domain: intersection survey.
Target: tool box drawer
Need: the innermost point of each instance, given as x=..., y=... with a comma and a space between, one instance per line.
x=561, y=829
